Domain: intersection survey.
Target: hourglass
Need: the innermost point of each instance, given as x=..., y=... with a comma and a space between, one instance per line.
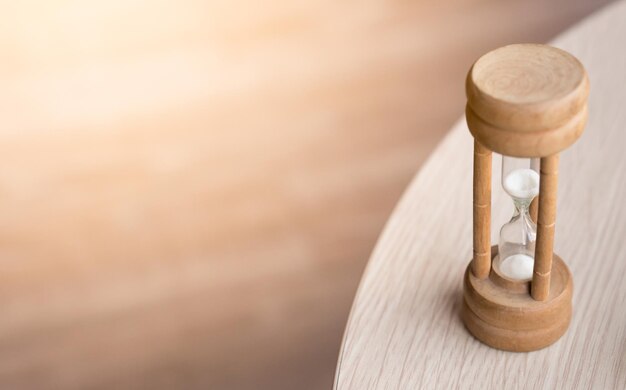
x=528, y=103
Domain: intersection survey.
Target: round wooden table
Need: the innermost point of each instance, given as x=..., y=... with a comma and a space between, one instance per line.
x=404, y=331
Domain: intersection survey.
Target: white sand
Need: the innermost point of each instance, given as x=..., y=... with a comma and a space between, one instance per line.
x=522, y=183
x=518, y=267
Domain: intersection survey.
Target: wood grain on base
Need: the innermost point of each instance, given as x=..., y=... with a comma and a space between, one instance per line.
x=501, y=312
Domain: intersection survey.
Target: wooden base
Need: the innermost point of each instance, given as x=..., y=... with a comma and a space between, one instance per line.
x=501, y=313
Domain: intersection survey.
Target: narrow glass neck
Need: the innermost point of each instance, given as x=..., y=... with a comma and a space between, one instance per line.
x=522, y=205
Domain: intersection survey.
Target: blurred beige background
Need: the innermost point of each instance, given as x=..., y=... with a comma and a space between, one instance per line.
x=189, y=190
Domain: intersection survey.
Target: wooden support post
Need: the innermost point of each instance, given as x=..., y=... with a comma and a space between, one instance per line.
x=481, y=260
x=534, y=209
x=544, y=249
x=534, y=205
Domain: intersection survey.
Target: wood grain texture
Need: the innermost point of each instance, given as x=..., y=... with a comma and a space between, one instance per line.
x=527, y=100
x=527, y=87
x=501, y=313
x=404, y=330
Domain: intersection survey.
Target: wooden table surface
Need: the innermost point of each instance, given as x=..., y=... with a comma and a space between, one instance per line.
x=404, y=330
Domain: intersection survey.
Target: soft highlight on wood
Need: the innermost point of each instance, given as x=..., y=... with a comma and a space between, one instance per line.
x=527, y=100
x=529, y=74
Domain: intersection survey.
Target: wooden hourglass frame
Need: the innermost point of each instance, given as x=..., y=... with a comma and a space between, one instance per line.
x=529, y=101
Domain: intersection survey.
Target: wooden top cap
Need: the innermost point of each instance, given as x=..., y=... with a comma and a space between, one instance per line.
x=527, y=100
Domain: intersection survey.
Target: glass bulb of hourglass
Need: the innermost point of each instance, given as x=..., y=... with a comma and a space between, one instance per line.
x=516, y=248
